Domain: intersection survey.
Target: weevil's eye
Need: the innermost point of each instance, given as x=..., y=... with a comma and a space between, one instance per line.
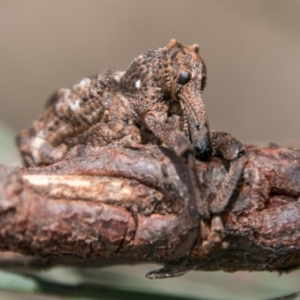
x=184, y=77
x=203, y=82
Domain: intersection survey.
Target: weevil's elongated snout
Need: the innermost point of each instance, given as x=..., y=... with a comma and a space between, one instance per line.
x=200, y=137
x=188, y=68
x=198, y=126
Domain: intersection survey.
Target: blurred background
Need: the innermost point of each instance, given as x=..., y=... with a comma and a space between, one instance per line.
x=251, y=49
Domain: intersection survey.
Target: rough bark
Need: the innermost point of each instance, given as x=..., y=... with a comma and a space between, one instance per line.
x=131, y=206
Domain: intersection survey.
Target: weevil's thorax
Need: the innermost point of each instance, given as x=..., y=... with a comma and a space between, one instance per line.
x=144, y=82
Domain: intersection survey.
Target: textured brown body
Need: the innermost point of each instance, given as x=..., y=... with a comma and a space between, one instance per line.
x=157, y=100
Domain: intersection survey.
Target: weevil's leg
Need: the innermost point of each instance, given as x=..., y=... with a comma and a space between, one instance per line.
x=193, y=180
x=212, y=231
x=171, y=136
x=225, y=145
x=178, y=142
x=229, y=184
x=36, y=150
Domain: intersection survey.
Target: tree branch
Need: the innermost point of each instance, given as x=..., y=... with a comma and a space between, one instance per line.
x=132, y=206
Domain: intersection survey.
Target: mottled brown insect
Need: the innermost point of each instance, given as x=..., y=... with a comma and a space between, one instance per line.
x=157, y=100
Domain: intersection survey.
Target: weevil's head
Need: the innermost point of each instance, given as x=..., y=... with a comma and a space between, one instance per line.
x=174, y=72
x=185, y=81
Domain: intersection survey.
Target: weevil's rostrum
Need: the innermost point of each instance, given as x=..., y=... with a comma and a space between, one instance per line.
x=157, y=100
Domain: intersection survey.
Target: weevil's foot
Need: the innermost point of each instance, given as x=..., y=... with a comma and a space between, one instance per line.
x=226, y=145
x=212, y=234
x=176, y=270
